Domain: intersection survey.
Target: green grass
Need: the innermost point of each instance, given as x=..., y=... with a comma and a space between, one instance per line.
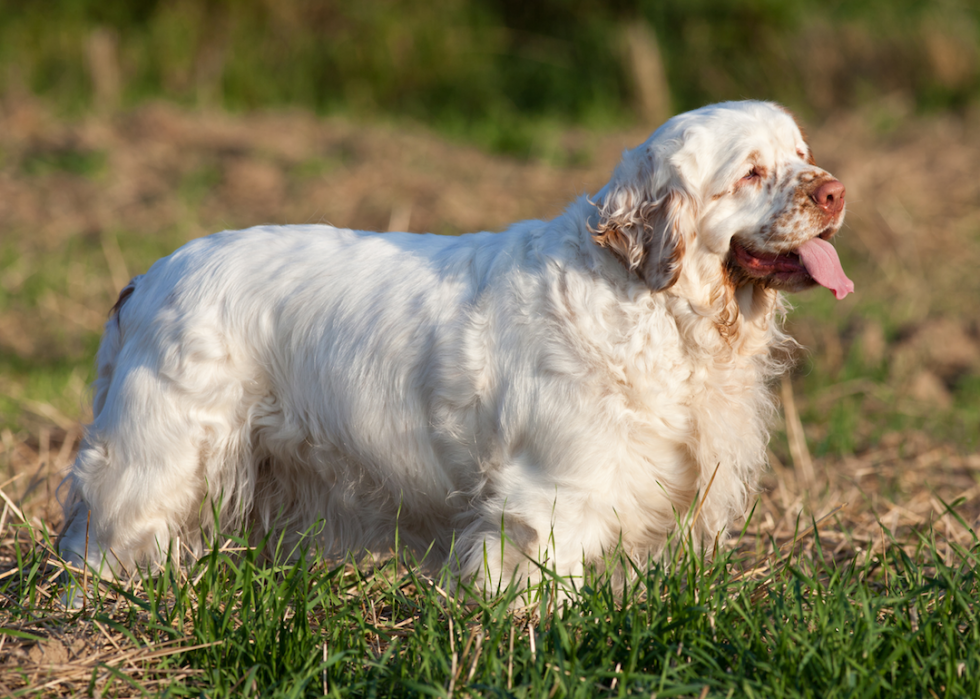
x=53, y=292
x=68, y=160
x=489, y=71
x=897, y=625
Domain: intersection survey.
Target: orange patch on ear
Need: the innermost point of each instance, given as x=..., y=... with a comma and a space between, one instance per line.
x=645, y=240
x=611, y=237
x=675, y=261
x=607, y=236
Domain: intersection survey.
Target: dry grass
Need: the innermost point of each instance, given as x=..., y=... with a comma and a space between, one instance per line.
x=904, y=353
x=859, y=507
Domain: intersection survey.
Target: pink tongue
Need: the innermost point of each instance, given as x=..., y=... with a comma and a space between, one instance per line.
x=821, y=261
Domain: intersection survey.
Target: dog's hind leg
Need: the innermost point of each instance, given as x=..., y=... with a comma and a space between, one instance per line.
x=137, y=480
x=141, y=478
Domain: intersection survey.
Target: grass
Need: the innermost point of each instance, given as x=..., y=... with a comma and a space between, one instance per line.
x=62, y=286
x=900, y=621
x=489, y=71
x=63, y=262
x=68, y=160
x=878, y=601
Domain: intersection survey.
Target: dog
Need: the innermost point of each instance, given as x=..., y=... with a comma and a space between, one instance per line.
x=494, y=400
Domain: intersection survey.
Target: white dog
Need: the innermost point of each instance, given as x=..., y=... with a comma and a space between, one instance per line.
x=543, y=394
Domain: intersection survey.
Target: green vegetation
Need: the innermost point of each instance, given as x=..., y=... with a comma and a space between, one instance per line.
x=57, y=364
x=497, y=71
x=890, y=624
x=95, y=185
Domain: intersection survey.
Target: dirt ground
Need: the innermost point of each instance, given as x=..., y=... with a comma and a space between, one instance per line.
x=152, y=178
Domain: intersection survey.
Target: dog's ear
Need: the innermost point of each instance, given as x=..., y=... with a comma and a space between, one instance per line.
x=646, y=226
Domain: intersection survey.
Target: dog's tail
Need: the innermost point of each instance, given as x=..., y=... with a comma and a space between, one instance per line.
x=112, y=339
x=126, y=292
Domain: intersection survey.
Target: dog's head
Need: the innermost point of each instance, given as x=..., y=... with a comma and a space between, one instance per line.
x=731, y=186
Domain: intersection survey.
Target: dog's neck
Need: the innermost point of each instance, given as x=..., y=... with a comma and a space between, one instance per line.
x=735, y=325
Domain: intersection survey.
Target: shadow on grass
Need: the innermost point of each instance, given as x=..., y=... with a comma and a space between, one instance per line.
x=794, y=623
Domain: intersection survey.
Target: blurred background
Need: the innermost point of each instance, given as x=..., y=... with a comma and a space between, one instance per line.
x=128, y=128
x=491, y=71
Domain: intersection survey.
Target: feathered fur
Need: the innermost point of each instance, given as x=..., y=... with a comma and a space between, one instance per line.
x=569, y=385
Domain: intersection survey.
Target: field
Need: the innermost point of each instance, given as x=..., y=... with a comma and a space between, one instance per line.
x=855, y=575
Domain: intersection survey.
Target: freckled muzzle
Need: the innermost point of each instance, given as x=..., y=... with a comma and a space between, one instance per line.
x=813, y=262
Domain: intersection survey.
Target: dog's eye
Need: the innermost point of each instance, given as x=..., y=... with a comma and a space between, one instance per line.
x=753, y=173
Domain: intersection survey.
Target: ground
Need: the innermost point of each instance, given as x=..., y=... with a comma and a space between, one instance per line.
x=880, y=422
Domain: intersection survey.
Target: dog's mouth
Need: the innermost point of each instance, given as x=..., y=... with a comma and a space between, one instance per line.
x=814, y=262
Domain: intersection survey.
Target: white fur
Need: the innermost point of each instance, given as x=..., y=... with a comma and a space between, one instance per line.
x=572, y=384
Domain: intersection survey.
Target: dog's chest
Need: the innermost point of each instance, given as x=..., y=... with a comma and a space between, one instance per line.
x=707, y=404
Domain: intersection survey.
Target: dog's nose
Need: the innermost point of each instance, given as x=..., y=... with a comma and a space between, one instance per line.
x=830, y=197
